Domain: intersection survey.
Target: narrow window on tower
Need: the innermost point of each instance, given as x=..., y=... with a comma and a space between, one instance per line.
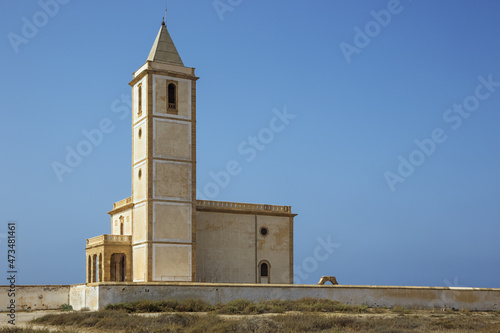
x=172, y=98
x=139, y=100
x=121, y=225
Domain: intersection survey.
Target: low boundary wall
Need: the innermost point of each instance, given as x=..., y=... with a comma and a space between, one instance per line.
x=35, y=297
x=97, y=296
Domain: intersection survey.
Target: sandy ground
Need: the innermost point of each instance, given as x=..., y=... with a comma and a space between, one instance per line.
x=23, y=318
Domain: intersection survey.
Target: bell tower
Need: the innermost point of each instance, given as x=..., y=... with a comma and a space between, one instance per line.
x=164, y=166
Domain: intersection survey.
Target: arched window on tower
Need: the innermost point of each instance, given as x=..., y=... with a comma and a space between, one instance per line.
x=121, y=225
x=139, y=100
x=172, y=98
x=264, y=272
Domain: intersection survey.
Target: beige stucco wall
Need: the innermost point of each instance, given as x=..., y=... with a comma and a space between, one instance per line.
x=225, y=248
x=479, y=299
x=275, y=246
x=172, y=222
x=139, y=141
x=172, y=180
x=98, y=296
x=160, y=87
x=184, y=98
x=230, y=247
x=127, y=222
x=82, y=296
x=139, y=184
x=183, y=94
x=139, y=223
x=77, y=296
x=36, y=297
x=171, y=262
x=172, y=138
x=139, y=262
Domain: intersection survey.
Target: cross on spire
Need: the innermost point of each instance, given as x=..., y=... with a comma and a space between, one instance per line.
x=165, y=18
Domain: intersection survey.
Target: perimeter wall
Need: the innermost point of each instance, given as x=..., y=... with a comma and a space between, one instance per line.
x=97, y=296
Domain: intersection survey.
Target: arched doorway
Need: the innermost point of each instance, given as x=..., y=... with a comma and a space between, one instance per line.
x=117, y=268
x=94, y=268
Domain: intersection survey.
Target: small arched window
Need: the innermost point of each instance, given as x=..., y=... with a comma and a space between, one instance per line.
x=139, y=100
x=121, y=225
x=264, y=270
x=172, y=98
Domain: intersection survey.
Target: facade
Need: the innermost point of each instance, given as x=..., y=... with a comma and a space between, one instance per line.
x=162, y=233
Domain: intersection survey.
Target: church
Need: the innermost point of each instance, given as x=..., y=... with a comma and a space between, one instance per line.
x=162, y=233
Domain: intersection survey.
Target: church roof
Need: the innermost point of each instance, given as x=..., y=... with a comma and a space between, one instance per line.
x=164, y=49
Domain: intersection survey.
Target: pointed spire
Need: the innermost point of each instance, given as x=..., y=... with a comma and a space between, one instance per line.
x=164, y=49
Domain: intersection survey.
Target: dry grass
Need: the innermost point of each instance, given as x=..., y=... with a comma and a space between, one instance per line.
x=162, y=306
x=307, y=315
x=239, y=306
x=32, y=330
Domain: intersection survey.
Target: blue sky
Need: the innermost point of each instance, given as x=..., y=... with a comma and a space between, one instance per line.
x=391, y=156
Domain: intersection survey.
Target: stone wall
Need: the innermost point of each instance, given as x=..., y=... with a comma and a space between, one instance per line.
x=36, y=297
x=414, y=297
x=97, y=296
